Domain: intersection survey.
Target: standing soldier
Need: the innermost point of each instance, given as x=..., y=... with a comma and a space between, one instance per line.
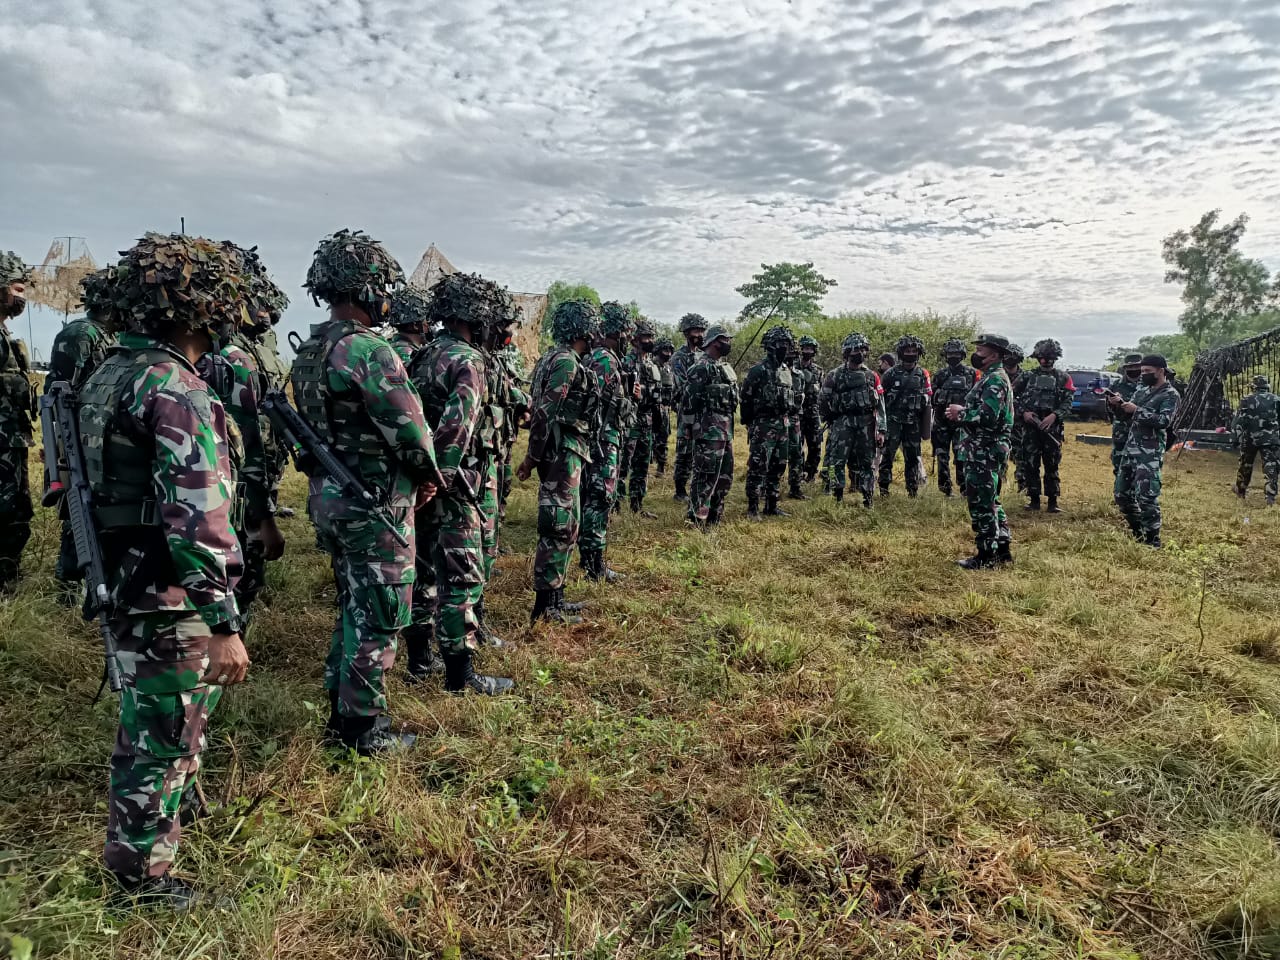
x=155, y=451
x=647, y=380
x=17, y=413
x=950, y=385
x=1125, y=390
x=78, y=349
x=562, y=439
x=451, y=373
x=1257, y=430
x=693, y=326
x=986, y=416
x=352, y=388
x=1013, y=367
x=907, y=413
x=795, y=433
x=851, y=402
x=810, y=421
x=600, y=477
x=662, y=352
x=766, y=405
x=712, y=399
x=1149, y=414
x=516, y=410
x=409, y=318
x=1044, y=402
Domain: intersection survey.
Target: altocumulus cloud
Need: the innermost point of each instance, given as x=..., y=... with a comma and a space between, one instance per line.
x=1019, y=160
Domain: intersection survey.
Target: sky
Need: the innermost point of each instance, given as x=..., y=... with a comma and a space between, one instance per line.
x=1021, y=161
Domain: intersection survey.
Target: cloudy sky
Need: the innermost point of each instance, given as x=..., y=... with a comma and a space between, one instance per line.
x=1020, y=160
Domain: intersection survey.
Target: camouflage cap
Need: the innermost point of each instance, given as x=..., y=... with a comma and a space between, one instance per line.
x=1047, y=348
x=645, y=328
x=993, y=340
x=409, y=306
x=97, y=294
x=908, y=341
x=615, y=319
x=172, y=280
x=953, y=346
x=664, y=345
x=808, y=341
x=352, y=264
x=13, y=269
x=692, y=321
x=718, y=332
x=470, y=299
x=777, y=337
x=574, y=320
x=855, y=342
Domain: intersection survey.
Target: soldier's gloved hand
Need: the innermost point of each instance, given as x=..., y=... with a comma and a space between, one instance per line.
x=272, y=539
x=424, y=494
x=228, y=660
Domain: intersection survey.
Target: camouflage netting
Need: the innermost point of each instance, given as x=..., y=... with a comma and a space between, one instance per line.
x=12, y=268
x=262, y=289
x=692, y=321
x=856, y=343
x=909, y=342
x=574, y=320
x=409, y=308
x=1221, y=377
x=471, y=299
x=351, y=264
x=167, y=281
x=97, y=293
x=615, y=319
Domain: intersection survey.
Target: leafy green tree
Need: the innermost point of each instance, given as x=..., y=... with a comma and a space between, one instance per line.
x=794, y=289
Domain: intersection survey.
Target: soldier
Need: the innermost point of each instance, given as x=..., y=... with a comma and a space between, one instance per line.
x=600, y=477
x=351, y=386
x=647, y=397
x=907, y=414
x=78, y=349
x=1013, y=367
x=951, y=385
x=795, y=433
x=986, y=416
x=17, y=413
x=1149, y=414
x=711, y=400
x=662, y=352
x=1257, y=430
x=1125, y=389
x=851, y=402
x=511, y=362
x=810, y=421
x=459, y=525
x=155, y=451
x=562, y=440
x=766, y=405
x=409, y=318
x=693, y=326
x=1043, y=404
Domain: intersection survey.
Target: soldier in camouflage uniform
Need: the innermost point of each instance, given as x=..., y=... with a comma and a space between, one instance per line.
x=156, y=457
x=78, y=349
x=795, y=432
x=951, y=384
x=1125, y=389
x=907, y=393
x=986, y=416
x=600, y=477
x=17, y=413
x=516, y=409
x=351, y=386
x=1257, y=430
x=457, y=529
x=1043, y=405
x=810, y=420
x=765, y=412
x=647, y=398
x=711, y=399
x=562, y=439
x=662, y=353
x=694, y=327
x=851, y=402
x=1013, y=358
x=1149, y=414
x=409, y=318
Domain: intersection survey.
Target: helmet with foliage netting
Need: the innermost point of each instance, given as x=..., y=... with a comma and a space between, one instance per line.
x=645, y=328
x=169, y=281
x=409, y=306
x=908, y=342
x=574, y=320
x=1047, y=348
x=664, y=345
x=855, y=343
x=954, y=346
x=262, y=289
x=97, y=293
x=470, y=299
x=1015, y=353
x=615, y=319
x=808, y=341
x=692, y=321
x=13, y=269
x=777, y=338
x=351, y=264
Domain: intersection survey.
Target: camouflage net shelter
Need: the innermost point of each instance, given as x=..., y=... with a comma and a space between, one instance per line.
x=1222, y=376
x=57, y=279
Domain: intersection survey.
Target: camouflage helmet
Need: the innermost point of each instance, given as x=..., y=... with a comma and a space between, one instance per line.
x=262, y=289
x=718, y=331
x=470, y=299
x=808, y=341
x=168, y=281
x=1261, y=383
x=645, y=328
x=692, y=321
x=13, y=269
x=615, y=319
x=1014, y=353
x=664, y=345
x=854, y=343
x=97, y=294
x=352, y=264
x=907, y=341
x=777, y=338
x=574, y=320
x=953, y=346
x=409, y=306
x=1047, y=348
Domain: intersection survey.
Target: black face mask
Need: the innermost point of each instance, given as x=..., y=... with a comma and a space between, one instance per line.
x=15, y=307
x=1133, y=374
x=645, y=346
x=908, y=361
x=955, y=360
x=976, y=361
x=1149, y=379
x=856, y=359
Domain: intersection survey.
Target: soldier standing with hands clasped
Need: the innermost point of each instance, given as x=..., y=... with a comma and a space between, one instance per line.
x=1044, y=403
x=693, y=326
x=1149, y=414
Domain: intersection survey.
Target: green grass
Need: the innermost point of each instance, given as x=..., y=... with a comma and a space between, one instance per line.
x=812, y=737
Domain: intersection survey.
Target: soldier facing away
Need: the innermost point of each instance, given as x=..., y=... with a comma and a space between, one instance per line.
x=409, y=318
x=662, y=353
x=851, y=401
x=1125, y=389
x=1257, y=430
x=1149, y=413
x=17, y=414
x=765, y=411
x=810, y=420
x=951, y=384
x=1044, y=403
x=711, y=401
x=795, y=430
x=646, y=380
x=907, y=392
x=693, y=326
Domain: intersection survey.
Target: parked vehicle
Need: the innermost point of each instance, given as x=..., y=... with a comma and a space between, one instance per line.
x=1090, y=401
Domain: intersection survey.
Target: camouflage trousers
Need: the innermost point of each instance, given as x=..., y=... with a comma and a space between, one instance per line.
x=982, y=470
x=15, y=511
x=456, y=536
x=489, y=515
x=851, y=444
x=423, y=601
x=661, y=436
x=374, y=575
x=1137, y=493
x=769, y=446
x=811, y=428
x=559, y=516
x=640, y=446
x=626, y=448
x=904, y=435
x=1016, y=440
x=712, y=471
x=1115, y=456
x=253, y=577
x=506, y=476
x=946, y=440
x=599, y=489
x=795, y=452
x=164, y=708
x=684, y=449
x=1270, y=467
x=1039, y=448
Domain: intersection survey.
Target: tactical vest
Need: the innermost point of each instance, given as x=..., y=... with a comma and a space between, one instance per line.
x=17, y=395
x=667, y=389
x=799, y=384
x=272, y=374
x=1041, y=392
x=577, y=412
x=904, y=390
x=91, y=335
x=854, y=394
x=774, y=399
x=266, y=354
x=338, y=416
x=952, y=387
x=720, y=395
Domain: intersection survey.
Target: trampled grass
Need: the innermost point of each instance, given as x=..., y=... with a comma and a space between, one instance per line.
x=812, y=737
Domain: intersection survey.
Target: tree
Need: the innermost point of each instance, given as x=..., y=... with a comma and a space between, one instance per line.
x=795, y=289
x=559, y=292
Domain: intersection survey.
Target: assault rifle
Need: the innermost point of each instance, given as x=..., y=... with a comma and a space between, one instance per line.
x=67, y=482
x=311, y=454
x=1039, y=425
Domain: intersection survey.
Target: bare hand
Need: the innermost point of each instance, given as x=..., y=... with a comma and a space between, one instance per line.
x=1029, y=417
x=525, y=470
x=953, y=411
x=228, y=660
x=879, y=439
x=424, y=494
x=1048, y=421
x=1130, y=408
x=272, y=539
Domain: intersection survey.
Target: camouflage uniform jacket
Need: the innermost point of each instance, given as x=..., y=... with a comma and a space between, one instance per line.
x=907, y=392
x=648, y=376
x=1258, y=420
x=1149, y=424
x=1120, y=426
x=17, y=396
x=667, y=382
x=77, y=350
x=454, y=380
x=514, y=398
x=563, y=406
x=988, y=413
x=615, y=410
x=852, y=392
x=243, y=402
x=711, y=397
x=681, y=363
x=404, y=347
x=767, y=392
x=810, y=385
x=1044, y=392
x=951, y=385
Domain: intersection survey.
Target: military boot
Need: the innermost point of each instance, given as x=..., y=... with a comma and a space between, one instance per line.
x=423, y=662
x=371, y=736
x=681, y=495
x=164, y=892
x=566, y=605
x=460, y=676
x=771, y=508
x=490, y=638
x=1033, y=503
x=795, y=493
x=1052, y=506
x=984, y=559
x=637, y=506
x=753, y=508
x=1240, y=489
x=867, y=499
x=1003, y=553
x=333, y=726
x=1152, y=539
x=1271, y=501
x=545, y=607
x=838, y=494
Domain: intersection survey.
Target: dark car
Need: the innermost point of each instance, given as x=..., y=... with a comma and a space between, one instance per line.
x=1090, y=401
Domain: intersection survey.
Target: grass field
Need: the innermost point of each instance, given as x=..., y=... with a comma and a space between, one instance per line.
x=813, y=737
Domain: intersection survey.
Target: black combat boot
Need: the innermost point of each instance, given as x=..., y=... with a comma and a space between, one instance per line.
x=1003, y=553
x=164, y=892
x=984, y=559
x=333, y=726
x=490, y=638
x=423, y=663
x=838, y=493
x=567, y=606
x=1033, y=503
x=1052, y=506
x=753, y=508
x=681, y=495
x=460, y=676
x=545, y=607
x=637, y=506
x=1152, y=539
x=795, y=493
x=370, y=736
x=867, y=499
x=771, y=508
x=1240, y=491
